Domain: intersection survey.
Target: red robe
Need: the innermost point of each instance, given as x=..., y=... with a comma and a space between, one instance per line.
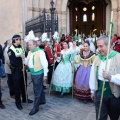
x=69, y=39
x=114, y=39
x=117, y=47
x=62, y=46
x=49, y=55
x=62, y=39
x=57, y=48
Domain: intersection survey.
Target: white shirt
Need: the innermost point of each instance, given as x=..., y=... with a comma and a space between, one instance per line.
x=114, y=78
x=101, y=68
x=42, y=59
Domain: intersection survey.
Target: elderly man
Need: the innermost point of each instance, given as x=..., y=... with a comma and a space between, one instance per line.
x=111, y=97
x=8, y=70
x=1, y=54
x=38, y=65
x=41, y=45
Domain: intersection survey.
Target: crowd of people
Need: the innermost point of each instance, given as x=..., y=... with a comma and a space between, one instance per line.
x=69, y=64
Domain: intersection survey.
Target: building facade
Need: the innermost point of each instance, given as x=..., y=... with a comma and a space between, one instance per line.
x=84, y=15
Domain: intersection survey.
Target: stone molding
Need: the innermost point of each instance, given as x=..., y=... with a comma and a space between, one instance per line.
x=36, y=9
x=116, y=9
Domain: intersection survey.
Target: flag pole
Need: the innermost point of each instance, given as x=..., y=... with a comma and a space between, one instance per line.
x=24, y=70
x=103, y=89
x=73, y=80
x=51, y=79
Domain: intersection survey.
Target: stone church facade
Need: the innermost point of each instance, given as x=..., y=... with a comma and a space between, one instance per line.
x=15, y=13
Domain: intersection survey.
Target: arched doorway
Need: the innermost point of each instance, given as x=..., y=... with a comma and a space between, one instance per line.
x=87, y=15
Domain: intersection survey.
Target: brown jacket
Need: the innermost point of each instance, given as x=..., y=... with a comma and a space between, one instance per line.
x=7, y=62
x=37, y=63
x=114, y=69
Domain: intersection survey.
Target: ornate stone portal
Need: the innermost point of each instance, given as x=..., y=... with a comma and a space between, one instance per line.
x=15, y=13
x=87, y=16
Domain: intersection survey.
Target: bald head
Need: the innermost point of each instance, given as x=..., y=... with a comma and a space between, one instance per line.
x=32, y=44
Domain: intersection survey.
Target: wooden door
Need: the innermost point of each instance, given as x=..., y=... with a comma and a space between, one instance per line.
x=87, y=17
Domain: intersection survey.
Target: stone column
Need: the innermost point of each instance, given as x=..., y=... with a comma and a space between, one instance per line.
x=64, y=22
x=64, y=16
x=119, y=18
x=26, y=10
x=115, y=15
x=59, y=11
x=22, y=29
x=33, y=9
x=29, y=9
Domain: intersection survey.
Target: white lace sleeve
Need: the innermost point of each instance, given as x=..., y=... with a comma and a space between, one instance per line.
x=92, y=79
x=115, y=79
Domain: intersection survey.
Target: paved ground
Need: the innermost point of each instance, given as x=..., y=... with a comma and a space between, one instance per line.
x=56, y=108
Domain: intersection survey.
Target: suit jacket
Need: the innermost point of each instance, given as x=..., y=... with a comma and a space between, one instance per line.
x=114, y=69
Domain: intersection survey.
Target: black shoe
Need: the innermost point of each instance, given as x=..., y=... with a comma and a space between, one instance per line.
x=33, y=111
x=85, y=101
x=42, y=103
x=2, y=106
x=62, y=94
x=12, y=96
x=19, y=106
x=28, y=100
x=44, y=87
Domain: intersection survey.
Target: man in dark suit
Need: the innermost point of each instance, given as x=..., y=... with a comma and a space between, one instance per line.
x=1, y=52
x=1, y=55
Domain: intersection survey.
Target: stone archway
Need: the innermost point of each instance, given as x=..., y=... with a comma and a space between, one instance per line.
x=115, y=5
x=87, y=16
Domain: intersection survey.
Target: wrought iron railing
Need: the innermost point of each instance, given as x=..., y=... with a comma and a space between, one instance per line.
x=42, y=23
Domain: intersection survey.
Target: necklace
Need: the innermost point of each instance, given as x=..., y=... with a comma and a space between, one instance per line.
x=86, y=53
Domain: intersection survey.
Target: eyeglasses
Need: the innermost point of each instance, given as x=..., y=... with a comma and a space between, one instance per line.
x=17, y=39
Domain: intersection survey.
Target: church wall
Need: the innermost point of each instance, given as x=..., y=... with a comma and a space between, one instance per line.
x=115, y=15
x=108, y=16
x=118, y=17
x=29, y=11
x=63, y=13
x=68, y=21
x=10, y=19
x=115, y=5
x=23, y=10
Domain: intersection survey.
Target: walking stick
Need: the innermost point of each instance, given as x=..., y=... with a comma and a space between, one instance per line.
x=103, y=89
x=25, y=86
x=24, y=74
x=73, y=81
x=52, y=78
x=0, y=85
x=30, y=82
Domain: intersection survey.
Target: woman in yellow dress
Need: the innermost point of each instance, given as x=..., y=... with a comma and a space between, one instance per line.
x=81, y=82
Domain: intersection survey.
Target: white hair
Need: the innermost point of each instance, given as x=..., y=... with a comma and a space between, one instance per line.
x=34, y=42
x=105, y=39
x=9, y=41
